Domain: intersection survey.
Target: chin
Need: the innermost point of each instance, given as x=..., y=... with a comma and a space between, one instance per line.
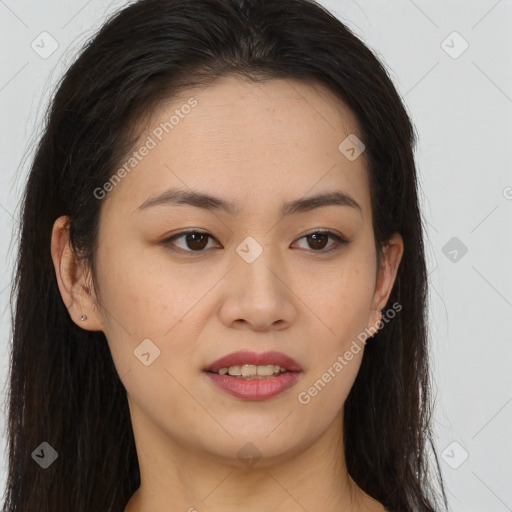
x=253, y=447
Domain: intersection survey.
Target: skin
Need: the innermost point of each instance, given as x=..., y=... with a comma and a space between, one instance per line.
x=258, y=145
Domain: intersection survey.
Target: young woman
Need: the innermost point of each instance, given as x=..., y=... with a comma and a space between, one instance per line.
x=221, y=284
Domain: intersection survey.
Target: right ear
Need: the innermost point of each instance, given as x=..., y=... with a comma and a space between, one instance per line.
x=73, y=279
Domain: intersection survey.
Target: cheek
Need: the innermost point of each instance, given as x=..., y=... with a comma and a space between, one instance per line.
x=140, y=291
x=145, y=318
x=343, y=303
x=329, y=385
x=141, y=300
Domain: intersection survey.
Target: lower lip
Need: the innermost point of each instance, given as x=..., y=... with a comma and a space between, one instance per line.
x=254, y=389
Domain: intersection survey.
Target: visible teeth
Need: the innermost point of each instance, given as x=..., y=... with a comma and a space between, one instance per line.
x=235, y=370
x=251, y=370
x=265, y=370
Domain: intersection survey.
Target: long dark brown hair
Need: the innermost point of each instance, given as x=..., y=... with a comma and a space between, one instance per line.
x=64, y=389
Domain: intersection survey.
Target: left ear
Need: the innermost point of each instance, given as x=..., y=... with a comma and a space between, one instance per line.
x=392, y=255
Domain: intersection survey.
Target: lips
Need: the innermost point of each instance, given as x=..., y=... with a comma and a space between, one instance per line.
x=241, y=358
x=280, y=373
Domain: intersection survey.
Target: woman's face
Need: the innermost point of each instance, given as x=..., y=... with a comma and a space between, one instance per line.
x=256, y=283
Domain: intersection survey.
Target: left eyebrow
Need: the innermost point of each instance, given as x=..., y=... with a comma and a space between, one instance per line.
x=175, y=196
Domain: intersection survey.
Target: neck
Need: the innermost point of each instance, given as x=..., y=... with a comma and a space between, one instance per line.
x=175, y=478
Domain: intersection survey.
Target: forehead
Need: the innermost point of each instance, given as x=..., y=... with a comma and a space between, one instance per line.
x=277, y=114
x=254, y=143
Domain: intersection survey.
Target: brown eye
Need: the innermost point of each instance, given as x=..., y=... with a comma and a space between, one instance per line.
x=318, y=240
x=194, y=241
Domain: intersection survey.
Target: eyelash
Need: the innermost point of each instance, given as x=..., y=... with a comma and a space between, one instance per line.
x=339, y=241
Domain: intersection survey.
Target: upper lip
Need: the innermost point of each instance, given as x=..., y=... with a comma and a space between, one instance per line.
x=247, y=357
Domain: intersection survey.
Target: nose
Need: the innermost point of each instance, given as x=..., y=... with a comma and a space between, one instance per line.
x=257, y=296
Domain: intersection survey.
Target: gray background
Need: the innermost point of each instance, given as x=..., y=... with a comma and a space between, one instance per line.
x=461, y=105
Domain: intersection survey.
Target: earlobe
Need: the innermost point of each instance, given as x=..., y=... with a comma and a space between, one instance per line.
x=71, y=279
